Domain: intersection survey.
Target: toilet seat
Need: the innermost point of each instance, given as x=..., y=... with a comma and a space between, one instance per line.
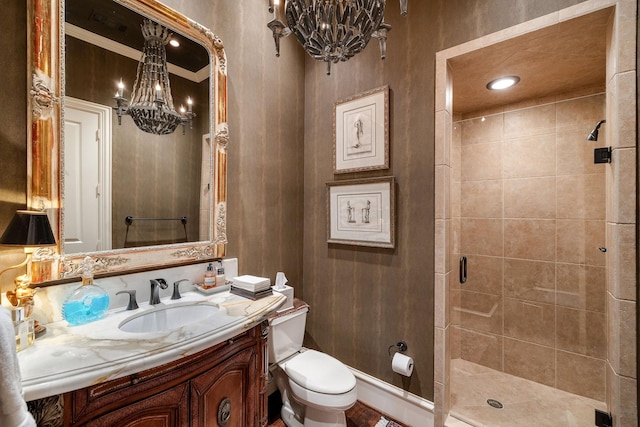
x=320, y=373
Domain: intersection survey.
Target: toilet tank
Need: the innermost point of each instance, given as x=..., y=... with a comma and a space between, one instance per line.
x=286, y=334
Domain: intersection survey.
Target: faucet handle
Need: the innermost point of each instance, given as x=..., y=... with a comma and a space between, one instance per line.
x=133, y=304
x=176, y=289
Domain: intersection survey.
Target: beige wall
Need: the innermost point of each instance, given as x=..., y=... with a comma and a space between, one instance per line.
x=13, y=132
x=266, y=127
x=528, y=207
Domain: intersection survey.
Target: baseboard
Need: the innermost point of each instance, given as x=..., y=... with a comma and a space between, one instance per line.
x=402, y=406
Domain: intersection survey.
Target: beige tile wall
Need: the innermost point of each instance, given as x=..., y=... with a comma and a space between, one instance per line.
x=622, y=179
x=531, y=220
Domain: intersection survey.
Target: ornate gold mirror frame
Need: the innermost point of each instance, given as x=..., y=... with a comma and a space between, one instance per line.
x=45, y=187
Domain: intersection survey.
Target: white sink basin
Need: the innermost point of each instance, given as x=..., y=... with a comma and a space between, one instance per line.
x=166, y=318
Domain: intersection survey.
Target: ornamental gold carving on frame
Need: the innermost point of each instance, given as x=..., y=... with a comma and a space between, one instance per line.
x=42, y=98
x=197, y=253
x=222, y=136
x=73, y=267
x=221, y=223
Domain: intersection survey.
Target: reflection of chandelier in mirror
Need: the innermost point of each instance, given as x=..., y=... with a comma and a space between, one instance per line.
x=151, y=106
x=332, y=30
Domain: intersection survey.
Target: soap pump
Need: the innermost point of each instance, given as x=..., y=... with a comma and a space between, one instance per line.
x=209, y=277
x=87, y=303
x=220, y=278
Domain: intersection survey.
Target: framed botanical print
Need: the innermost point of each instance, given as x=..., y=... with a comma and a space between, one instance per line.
x=361, y=132
x=362, y=212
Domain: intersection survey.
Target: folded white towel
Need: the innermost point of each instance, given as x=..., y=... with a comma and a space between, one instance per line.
x=13, y=408
x=252, y=283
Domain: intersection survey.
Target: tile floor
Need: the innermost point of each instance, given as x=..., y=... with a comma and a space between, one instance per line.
x=526, y=403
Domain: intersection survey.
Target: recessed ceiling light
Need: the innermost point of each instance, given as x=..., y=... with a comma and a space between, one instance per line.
x=174, y=43
x=503, y=83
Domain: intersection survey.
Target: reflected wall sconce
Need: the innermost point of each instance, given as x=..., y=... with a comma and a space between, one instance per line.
x=151, y=106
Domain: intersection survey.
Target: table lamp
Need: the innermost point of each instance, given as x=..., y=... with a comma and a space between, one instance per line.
x=29, y=230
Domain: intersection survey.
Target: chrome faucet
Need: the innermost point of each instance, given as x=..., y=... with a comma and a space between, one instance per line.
x=155, y=292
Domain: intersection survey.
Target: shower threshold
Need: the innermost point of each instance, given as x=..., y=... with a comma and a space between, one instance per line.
x=524, y=403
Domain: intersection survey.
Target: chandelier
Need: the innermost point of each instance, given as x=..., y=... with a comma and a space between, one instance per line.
x=332, y=30
x=151, y=106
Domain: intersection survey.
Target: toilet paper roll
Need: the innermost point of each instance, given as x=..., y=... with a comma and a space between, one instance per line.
x=402, y=364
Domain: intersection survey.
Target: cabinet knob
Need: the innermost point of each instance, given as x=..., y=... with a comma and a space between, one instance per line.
x=224, y=412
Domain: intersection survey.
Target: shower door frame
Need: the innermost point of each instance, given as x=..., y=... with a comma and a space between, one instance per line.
x=621, y=216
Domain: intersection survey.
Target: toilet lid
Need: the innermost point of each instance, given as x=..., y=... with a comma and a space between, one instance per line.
x=320, y=372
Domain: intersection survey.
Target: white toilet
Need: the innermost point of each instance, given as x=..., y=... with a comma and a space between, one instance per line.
x=316, y=388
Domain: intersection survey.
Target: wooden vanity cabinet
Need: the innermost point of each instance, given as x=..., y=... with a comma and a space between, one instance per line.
x=224, y=386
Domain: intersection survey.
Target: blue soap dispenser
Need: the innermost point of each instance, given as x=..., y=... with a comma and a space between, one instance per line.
x=87, y=303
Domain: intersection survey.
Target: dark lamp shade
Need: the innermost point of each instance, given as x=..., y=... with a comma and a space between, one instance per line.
x=28, y=228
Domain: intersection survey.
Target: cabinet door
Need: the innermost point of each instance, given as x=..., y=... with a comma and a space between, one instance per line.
x=166, y=409
x=226, y=395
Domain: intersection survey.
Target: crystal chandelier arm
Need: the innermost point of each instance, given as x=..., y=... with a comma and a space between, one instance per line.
x=279, y=31
x=403, y=7
x=381, y=35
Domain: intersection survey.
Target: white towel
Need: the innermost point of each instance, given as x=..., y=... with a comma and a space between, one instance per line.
x=251, y=283
x=13, y=408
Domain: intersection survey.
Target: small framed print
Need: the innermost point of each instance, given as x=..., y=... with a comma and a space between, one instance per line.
x=362, y=212
x=361, y=132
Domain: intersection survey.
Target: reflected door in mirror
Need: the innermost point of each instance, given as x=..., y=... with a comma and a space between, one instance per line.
x=87, y=173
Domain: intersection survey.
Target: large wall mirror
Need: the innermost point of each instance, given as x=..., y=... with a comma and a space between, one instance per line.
x=134, y=190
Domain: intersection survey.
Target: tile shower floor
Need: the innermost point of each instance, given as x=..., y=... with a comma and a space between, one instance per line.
x=526, y=403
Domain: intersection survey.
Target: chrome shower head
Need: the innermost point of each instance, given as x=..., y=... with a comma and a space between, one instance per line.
x=593, y=136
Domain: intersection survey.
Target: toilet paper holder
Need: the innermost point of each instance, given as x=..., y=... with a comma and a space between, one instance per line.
x=399, y=347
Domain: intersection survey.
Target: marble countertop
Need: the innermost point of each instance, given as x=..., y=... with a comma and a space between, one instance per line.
x=72, y=357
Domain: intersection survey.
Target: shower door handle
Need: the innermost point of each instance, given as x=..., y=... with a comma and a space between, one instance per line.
x=463, y=269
